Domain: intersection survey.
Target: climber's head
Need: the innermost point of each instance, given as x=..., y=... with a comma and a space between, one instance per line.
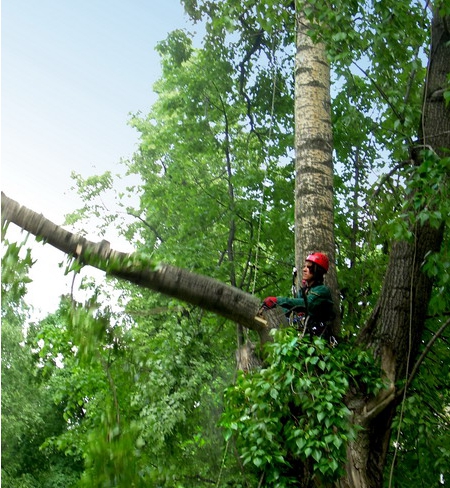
x=316, y=265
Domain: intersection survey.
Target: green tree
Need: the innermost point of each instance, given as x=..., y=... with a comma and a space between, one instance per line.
x=392, y=237
x=140, y=398
x=29, y=415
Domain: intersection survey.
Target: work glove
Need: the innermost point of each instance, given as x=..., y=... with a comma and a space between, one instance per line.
x=270, y=302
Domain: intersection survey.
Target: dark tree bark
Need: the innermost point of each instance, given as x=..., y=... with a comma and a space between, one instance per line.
x=396, y=326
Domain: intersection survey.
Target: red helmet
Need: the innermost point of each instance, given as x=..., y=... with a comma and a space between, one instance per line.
x=320, y=259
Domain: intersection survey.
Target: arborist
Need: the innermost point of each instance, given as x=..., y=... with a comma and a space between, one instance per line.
x=311, y=308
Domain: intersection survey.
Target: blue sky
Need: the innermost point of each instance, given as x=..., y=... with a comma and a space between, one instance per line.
x=72, y=72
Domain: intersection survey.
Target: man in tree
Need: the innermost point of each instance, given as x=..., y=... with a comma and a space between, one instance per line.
x=313, y=305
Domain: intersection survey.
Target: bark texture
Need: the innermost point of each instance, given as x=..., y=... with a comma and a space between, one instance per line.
x=395, y=328
x=314, y=209
x=435, y=127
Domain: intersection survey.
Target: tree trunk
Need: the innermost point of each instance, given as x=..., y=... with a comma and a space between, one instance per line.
x=314, y=209
x=395, y=328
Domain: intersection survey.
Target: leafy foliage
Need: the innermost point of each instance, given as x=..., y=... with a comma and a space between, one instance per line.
x=204, y=169
x=29, y=415
x=134, y=397
x=420, y=453
x=293, y=411
x=135, y=400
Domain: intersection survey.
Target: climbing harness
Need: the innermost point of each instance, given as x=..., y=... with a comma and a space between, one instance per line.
x=305, y=324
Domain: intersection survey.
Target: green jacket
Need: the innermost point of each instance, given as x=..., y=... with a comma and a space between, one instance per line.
x=319, y=303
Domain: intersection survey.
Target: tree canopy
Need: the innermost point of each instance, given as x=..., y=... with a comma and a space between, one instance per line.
x=234, y=178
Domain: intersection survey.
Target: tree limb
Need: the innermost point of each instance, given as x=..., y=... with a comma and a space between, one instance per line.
x=203, y=291
x=423, y=356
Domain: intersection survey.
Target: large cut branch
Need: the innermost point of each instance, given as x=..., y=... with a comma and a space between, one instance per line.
x=203, y=291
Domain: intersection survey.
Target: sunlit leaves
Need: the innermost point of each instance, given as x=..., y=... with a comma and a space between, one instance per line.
x=82, y=355
x=204, y=162
x=16, y=263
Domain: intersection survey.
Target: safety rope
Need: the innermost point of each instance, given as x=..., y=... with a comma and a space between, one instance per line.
x=272, y=109
x=408, y=359
x=402, y=409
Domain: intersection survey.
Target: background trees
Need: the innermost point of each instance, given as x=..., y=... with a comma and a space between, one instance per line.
x=217, y=183
x=29, y=415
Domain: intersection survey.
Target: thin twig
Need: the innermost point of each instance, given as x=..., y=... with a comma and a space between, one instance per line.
x=424, y=354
